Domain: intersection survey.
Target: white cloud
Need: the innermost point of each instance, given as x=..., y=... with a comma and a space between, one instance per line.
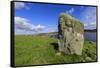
x=20, y=5
x=88, y=16
x=93, y=23
x=90, y=25
x=85, y=25
x=39, y=27
x=24, y=24
x=70, y=11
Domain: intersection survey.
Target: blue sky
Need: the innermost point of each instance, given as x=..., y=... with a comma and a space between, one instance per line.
x=32, y=18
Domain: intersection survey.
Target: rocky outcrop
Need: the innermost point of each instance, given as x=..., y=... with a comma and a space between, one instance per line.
x=70, y=32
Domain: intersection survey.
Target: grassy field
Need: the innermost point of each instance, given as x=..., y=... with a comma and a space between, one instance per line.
x=38, y=50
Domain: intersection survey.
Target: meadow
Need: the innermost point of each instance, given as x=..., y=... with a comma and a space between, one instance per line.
x=39, y=50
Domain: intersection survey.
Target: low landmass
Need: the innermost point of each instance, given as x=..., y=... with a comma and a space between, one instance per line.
x=90, y=30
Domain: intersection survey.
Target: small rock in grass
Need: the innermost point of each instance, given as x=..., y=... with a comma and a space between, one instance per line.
x=58, y=54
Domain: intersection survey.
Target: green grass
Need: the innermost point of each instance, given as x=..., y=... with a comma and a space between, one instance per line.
x=38, y=50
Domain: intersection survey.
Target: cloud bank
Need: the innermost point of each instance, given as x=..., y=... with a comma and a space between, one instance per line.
x=24, y=24
x=20, y=5
x=91, y=25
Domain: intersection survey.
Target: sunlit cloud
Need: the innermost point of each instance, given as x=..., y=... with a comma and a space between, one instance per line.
x=24, y=24
x=90, y=25
x=20, y=5
x=70, y=11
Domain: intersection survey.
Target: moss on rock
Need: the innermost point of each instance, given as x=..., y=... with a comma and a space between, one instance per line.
x=71, y=31
x=78, y=26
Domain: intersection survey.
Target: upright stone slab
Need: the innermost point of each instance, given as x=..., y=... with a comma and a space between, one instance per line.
x=71, y=35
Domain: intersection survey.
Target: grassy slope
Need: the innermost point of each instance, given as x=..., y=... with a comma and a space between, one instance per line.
x=31, y=50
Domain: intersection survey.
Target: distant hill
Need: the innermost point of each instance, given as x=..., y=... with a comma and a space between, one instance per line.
x=90, y=30
x=50, y=33
x=85, y=30
x=55, y=33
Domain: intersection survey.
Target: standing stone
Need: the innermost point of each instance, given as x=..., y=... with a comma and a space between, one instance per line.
x=70, y=32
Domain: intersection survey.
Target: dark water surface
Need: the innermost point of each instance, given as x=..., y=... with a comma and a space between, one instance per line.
x=90, y=36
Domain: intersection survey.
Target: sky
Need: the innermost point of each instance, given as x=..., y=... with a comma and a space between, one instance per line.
x=33, y=18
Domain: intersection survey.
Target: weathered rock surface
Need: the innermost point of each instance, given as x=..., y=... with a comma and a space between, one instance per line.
x=70, y=32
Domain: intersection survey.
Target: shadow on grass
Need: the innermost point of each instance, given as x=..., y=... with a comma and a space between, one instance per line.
x=55, y=46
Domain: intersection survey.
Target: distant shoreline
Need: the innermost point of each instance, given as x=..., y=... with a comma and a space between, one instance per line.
x=85, y=30
x=93, y=30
